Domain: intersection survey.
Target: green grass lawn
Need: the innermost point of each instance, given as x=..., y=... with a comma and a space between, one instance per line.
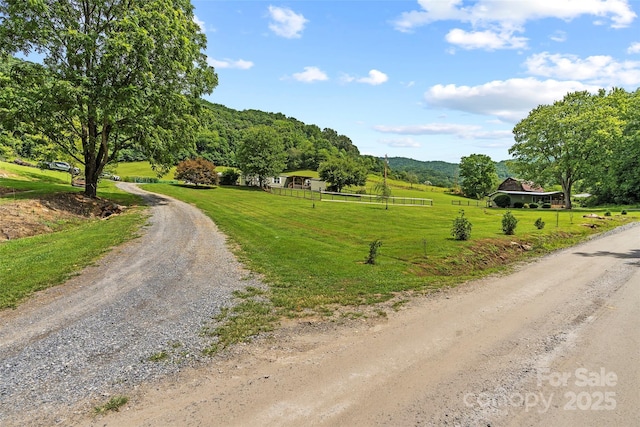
x=312, y=252
x=33, y=263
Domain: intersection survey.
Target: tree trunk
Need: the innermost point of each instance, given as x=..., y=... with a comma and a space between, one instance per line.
x=90, y=179
x=567, y=197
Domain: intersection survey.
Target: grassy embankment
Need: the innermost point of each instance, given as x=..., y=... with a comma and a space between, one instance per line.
x=34, y=263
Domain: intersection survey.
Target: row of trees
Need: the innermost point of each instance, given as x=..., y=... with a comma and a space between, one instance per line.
x=588, y=141
x=585, y=141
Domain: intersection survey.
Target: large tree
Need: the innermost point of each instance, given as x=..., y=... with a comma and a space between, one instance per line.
x=261, y=153
x=559, y=143
x=614, y=177
x=114, y=74
x=478, y=175
x=340, y=172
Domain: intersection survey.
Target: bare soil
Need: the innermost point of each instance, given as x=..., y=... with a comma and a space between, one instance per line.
x=29, y=217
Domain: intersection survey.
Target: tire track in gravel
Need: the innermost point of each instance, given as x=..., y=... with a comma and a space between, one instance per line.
x=93, y=336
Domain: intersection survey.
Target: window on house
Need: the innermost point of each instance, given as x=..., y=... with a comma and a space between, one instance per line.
x=276, y=180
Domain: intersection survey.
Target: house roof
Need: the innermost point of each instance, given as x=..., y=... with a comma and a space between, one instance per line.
x=510, y=184
x=526, y=193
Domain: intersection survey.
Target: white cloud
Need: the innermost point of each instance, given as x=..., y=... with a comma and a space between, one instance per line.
x=490, y=40
x=429, y=129
x=508, y=17
x=559, y=36
x=311, y=74
x=286, y=23
x=374, y=78
x=401, y=143
x=634, y=48
x=598, y=69
x=200, y=23
x=239, y=64
x=461, y=131
x=510, y=100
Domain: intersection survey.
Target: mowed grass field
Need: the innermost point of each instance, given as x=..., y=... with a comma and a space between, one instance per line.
x=312, y=253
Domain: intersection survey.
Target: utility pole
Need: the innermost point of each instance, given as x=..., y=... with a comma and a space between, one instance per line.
x=384, y=182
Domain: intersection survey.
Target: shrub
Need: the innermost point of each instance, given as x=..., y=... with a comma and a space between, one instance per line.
x=197, y=171
x=533, y=205
x=623, y=212
x=546, y=206
x=373, y=251
x=502, y=201
x=461, y=229
x=607, y=213
x=539, y=224
x=229, y=177
x=518, y=205
x=509, y=223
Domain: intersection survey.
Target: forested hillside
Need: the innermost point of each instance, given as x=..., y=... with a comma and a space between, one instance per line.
x=223, y=128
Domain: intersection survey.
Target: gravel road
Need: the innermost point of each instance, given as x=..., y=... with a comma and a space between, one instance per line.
x=94, y=336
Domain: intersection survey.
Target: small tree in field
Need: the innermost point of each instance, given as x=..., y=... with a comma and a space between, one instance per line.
x=461, y=228
x=509, y=223
x=197, y=171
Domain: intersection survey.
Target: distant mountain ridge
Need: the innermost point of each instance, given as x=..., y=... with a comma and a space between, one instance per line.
x=440, y=173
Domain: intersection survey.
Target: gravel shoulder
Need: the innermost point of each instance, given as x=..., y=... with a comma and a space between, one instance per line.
x=94, y=336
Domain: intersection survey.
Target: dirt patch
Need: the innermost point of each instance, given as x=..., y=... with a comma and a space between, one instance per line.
x=24, y=218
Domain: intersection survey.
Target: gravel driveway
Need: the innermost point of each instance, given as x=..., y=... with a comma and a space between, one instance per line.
x=94, y=336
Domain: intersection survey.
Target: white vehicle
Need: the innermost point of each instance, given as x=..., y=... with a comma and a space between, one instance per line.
x=61, y=166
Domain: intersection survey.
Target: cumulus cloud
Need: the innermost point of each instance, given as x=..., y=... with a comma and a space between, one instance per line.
x=490, y=40
x=510, y=100
x=239, y=64
x=311, y=74
x=598, y=69
x=374, y=78
x=634, y=48
x=495, y=23
x=286, y=23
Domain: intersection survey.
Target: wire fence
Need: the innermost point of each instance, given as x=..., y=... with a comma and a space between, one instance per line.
x=328, y=196
x=468, y=203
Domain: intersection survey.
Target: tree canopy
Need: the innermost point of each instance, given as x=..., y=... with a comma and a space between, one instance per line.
x=115, y=75
x=197, y=171
x=478, y=175
x=560, y=143
x=341, y=172
x=261, y=153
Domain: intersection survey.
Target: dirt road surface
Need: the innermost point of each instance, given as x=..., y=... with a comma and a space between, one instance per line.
x=555, y=343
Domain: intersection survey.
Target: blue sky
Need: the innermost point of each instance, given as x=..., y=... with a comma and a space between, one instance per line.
x=428, y=79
